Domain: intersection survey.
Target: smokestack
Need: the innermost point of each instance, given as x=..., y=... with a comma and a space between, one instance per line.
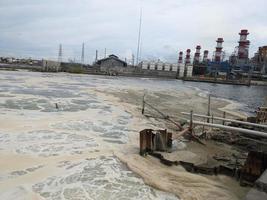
x=96, y=56
x=197, y=54
x=180, y=60
x=243, y=44
x=205, y=56
x=218, y=52
x=187, y=57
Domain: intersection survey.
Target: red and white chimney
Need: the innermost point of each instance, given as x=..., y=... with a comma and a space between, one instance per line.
x=218, y=52
x=187, y=57
x=180, y=60
x=197, y=54
x=205, y=56
x=243, y=47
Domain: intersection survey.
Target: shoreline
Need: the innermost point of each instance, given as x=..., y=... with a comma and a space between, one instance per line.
x=144, y=168
x=122, y=98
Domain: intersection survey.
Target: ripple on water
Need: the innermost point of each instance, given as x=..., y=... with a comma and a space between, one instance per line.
x=99, y=178
x=47, y=143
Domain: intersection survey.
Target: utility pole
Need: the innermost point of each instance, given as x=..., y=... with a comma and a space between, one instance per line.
x=59, y=56
x=96, y=56
x=82, y=57
x=60, y=53
x=139, y=37
x=132, y=59
x=105, y=52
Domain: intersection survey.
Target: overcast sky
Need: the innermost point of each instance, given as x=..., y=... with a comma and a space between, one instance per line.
x=35, y=28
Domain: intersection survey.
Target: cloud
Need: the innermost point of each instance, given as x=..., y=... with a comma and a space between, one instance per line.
x=35, y=28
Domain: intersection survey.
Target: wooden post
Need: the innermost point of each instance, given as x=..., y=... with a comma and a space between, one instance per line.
x=208, y=120
x=224, y=115
x=212, y=118
x=143, y=106
x=191, y=121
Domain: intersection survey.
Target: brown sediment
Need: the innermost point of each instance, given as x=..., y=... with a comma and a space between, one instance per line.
x=175, y=179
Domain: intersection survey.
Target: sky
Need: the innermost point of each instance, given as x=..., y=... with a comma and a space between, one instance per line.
x=35, y=28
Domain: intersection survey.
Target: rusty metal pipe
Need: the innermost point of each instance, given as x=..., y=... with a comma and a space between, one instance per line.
x=227, y=120
x=230, y=128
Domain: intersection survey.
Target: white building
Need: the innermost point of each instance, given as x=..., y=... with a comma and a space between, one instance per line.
x=159, y=66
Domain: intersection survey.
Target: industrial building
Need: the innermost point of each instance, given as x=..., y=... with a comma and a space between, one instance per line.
x=111, y=61
x=159, y=65
x=51, y=66
x=259, y=61
x=239, y=60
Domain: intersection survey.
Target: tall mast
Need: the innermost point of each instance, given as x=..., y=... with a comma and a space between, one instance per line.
x=82, y=57
x=139, y=37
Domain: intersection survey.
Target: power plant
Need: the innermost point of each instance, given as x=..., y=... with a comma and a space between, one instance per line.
x=238, y=65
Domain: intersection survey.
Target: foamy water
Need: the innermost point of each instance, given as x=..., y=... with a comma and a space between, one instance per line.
x=64, y=152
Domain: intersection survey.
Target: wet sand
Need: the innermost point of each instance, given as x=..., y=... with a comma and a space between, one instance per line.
x=175, y=179
x=75, y=151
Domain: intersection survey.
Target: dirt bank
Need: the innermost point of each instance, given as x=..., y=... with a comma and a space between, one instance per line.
x=176, y=180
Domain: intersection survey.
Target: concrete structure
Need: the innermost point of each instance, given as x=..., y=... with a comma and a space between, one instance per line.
x=218, y=51
x=49, y=65
x=259, y=192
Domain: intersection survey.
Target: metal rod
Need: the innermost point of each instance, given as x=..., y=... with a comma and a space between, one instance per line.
x=165, y=116
x=191, y=120
x=208, y=120
x=228, y=120
x=241, y=130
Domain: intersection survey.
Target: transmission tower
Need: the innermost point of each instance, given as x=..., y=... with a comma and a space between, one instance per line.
x=60, y=53
x=82, y=57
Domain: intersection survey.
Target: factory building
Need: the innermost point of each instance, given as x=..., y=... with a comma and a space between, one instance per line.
x=259, y=61
x=111, y=61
